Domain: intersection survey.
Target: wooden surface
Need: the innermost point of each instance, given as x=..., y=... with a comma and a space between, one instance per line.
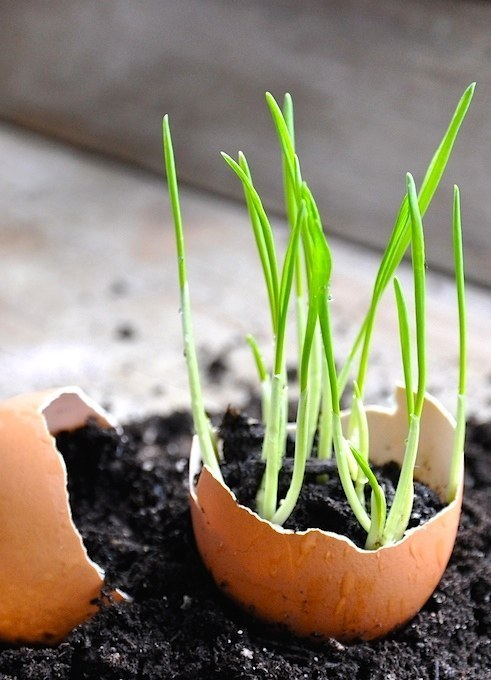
x=375, y=82
x=89, y=290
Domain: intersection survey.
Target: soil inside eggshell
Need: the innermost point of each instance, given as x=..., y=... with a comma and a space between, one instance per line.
x=129, y=498
x=322, y=502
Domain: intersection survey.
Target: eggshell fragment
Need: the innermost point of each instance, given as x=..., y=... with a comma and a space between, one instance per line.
x=319, y=583
x=48, y=585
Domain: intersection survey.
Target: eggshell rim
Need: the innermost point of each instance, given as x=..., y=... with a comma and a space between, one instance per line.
x=103, y=418
x=196, y=465
x=318, y=604
x=75, y=411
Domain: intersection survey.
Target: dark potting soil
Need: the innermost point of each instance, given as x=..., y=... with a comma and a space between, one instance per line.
x=322, y=502
x=129, y=499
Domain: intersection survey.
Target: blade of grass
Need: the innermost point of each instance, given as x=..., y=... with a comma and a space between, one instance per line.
x=302, y=434
x=201, y=422
x=321, y=399
x=288, y=179
x=378, y=505
x=266, y=500
x=317, y=361
x=458, y=448
x=286, y=286
x=361, y=442
x=270, y=262
x=286, y=141
x=324, y=446
x=401, y=237
x=292, y=182
x=343, y=455
x=419, y=271
x=263, y=376
x=274, y=438
x=460, y=282
x=442, y=154
x=258, y=358
x=320, y=274
x=315, y=381
x=291, y=203
x=341, y=447
x=402, y=504
x=405, y=338
x=264, y=254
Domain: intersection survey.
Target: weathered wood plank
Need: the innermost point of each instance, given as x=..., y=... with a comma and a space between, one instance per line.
x=374, y=81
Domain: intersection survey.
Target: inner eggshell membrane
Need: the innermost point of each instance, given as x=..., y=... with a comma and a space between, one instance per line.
x=48, y=584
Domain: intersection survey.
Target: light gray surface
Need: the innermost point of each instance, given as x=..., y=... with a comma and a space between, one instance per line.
x=88, y=247
x=375, y=83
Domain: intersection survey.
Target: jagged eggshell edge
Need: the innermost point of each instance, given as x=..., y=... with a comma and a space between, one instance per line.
x=48, y=584
x=319, y=583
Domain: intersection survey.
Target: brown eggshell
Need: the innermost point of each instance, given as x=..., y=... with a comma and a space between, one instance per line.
x=47, y=582
x=319, y=583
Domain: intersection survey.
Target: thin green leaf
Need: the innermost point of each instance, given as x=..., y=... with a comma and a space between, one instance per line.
x=260, y=243
x=325, y=325
x=315, y=381
x=400, y=511
x=286, y=286
x=361, y=422
x=201, y=422
x=456, y=462
x=343, y=455
x=359, y=437
x=460, y=282
x=459, y=438
x=419, y=272
x=378, y=505
x=289, y=117
x=287, y=505
x=258, y=358
x=266, y=231
x=285, y=140
x=439, y=161
x=302, y=434
x=325, y=420
x=288, y=179
x=405, y=338
x=274, y=440
x=401, y=235
x=271, y=453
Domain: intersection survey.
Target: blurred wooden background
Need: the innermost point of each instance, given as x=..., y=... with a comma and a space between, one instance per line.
x=374, y=81
x=89, y=292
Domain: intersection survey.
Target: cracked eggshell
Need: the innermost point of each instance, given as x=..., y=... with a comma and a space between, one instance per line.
x=48, y=584
x=319, y=583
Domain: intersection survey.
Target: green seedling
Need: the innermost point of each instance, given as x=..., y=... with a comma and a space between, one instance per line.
x=304, y=273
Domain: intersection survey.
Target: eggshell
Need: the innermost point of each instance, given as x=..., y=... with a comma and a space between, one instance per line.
x=48, y=585
x=319, y=583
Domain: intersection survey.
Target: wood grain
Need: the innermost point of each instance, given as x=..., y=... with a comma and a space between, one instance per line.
x=374, y=82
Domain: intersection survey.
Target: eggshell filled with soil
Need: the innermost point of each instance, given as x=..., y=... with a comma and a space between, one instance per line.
x=48, y=584
x=319, y=583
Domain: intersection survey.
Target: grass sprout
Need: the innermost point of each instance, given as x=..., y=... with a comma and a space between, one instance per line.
x=401, y=236
x=304, y=273
x=458, y=450
x=402, y=504
x=201, y=421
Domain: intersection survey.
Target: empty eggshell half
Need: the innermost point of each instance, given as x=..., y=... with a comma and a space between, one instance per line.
x=319, y=583
x=48, y=585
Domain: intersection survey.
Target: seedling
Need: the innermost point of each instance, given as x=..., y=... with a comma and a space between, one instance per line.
x=306, y=268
